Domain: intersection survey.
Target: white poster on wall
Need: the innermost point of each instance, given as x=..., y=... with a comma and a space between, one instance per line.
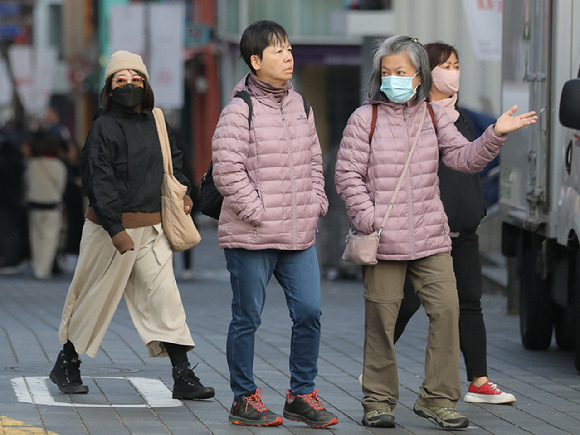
x=46, y=60
x=22, y=68
x=127, y=27
x=167, y=26
x=156, y=32
x=33, y=71
x=6, y=89
x=484, y=22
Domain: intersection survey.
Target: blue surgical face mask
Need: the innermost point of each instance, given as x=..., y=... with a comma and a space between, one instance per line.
x=398, y=89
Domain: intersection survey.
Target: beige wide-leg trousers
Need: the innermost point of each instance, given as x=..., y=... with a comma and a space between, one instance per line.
x=435, y=285
x=144, y=276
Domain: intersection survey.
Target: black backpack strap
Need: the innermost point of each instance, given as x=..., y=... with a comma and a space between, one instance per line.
x=306, y=107
x=246, y=97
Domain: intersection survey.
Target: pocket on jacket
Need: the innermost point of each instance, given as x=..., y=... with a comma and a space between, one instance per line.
x=161, y=246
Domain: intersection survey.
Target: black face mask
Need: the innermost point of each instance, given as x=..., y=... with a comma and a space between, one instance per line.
x=128, y=96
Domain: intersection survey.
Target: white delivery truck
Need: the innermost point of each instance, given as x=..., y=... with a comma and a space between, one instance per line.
x=540, y=168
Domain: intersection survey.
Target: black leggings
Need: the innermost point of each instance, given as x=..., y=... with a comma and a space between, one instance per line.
x=177, y=353
x=472, y=336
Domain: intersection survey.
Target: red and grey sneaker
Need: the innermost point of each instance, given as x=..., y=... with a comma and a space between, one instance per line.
x=308, y=409
x=488, y=393
x=250, y=411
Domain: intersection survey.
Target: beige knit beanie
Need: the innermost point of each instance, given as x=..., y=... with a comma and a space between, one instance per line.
x=124, y=59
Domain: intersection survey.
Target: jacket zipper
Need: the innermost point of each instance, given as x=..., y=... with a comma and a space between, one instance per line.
x=408, y=184
x=291, y=167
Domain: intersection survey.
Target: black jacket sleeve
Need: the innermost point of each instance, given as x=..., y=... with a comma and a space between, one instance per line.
x=100, y=184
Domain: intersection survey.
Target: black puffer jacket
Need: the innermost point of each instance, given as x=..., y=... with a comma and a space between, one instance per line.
x=461, y=193
x=122, y=166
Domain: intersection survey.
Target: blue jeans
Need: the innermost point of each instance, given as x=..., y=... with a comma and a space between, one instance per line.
x=298, y=274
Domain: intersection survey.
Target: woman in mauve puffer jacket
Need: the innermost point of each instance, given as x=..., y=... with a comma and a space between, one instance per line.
x=415, y=239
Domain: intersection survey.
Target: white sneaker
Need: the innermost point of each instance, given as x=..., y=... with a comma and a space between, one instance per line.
x=488, y=393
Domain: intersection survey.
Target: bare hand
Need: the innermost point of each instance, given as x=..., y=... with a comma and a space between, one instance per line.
x=187, y=209
x=507, y=123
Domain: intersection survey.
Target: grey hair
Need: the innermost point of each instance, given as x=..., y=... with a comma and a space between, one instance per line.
x=418, y=57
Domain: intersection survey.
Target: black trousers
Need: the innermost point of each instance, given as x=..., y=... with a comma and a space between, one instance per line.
x=472, y=336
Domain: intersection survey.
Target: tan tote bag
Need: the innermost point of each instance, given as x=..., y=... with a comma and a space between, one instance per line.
x=177, y=226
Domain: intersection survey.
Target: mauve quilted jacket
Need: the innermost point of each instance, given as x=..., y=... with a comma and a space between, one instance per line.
x=269, y=174
x=366, y=175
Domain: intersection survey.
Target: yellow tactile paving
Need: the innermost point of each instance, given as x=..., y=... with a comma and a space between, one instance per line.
x=9, y=426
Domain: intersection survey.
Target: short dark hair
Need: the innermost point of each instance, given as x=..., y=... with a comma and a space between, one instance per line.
x=148, y=96
x=439, y=52
x=258, y=36
x=43, y=143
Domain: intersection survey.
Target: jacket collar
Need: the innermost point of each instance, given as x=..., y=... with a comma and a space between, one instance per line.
x=124, y=112
x=246, y=85
x=394, y=108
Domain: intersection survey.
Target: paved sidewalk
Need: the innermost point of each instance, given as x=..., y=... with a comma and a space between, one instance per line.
x=131, y=393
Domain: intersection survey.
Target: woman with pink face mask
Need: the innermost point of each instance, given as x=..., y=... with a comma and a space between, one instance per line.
x=465, y=207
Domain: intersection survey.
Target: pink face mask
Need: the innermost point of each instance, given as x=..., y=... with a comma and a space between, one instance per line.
x=446, y=80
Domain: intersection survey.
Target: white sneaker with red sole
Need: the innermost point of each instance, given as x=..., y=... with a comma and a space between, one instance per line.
x=488, y=393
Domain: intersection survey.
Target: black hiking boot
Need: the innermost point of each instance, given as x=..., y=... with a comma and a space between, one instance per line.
x=187, y=385
x=67, y=375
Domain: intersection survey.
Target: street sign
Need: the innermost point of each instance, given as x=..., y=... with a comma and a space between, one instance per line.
x=9, y=30
x=9, y=9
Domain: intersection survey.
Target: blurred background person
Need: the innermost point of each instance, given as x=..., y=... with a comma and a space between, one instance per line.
x=45, y=183
x=74, y=204
x=12, y=250
x=51, y=124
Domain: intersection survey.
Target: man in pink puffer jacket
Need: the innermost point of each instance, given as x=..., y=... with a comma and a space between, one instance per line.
x=269, y=171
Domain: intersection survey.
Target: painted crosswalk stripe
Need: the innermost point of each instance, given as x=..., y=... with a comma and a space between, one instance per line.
x=34, y=389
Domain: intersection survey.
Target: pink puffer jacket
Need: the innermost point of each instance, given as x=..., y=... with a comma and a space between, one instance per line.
x=366, y=176
x=270, y=174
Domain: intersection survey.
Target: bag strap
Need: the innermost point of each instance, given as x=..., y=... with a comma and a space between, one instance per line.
x=430, y=109
x=392, y=202
x=373, y=122
x=248, y=100
x=163, y=140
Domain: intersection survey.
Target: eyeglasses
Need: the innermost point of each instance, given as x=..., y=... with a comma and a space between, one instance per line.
x=122, y=81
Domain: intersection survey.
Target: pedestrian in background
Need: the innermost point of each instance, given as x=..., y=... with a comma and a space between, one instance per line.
x=45, y=182
x=415, y=240
x=74, y=203
x=12, y=205
x=465, y=208
x=268, y=167
x=124, y=251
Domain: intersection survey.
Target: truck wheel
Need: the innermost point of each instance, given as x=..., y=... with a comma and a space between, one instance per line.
x=536, y=308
